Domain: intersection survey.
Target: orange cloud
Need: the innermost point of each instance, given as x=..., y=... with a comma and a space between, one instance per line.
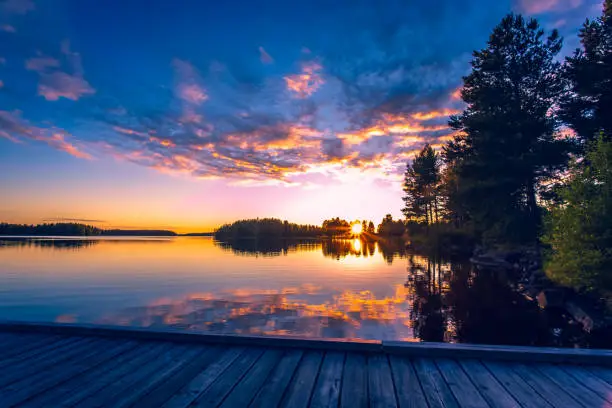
x=127, y=131
x=306, y=83
x=434, y=114
x=58, y=141
x=456, y=95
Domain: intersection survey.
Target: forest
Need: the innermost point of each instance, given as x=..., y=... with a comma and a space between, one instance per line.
x=530, y=163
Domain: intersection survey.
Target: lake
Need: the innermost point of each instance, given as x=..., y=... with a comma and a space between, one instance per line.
x=348, y=289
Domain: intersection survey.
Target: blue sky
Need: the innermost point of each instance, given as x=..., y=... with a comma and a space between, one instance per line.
x=187, y=114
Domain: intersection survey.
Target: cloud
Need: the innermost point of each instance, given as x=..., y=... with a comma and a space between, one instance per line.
x=83, y=220
x=14, y=128
x=61, y=85
x=187, y=87
x=1, y=84
x=41, y=64
x=54, y=83
x=543, y=6
x=7, y=28
x=2, y=60
x=307, y=82
x=264, y=57
x=17, y=6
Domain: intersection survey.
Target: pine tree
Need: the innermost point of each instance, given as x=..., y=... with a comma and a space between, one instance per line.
x=421, y=182
x=587, y=107
x=506, y=144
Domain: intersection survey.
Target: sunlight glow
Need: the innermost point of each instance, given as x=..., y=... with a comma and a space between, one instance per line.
x=357, y=228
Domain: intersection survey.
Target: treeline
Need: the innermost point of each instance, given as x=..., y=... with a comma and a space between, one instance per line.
x=531, y=161
x=74, y=229
x=266, y=228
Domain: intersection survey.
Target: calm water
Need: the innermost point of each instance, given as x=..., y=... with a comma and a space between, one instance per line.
x=340, y=289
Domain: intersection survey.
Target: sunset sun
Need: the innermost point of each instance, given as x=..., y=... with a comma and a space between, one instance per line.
x=357, y=228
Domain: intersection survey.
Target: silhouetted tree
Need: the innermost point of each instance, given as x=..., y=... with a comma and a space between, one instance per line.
x=587, y=107
x=389, y=226
x=507, y=145
x=336, y=227
x=266, y=228
x=421, y=187
x=371, y=229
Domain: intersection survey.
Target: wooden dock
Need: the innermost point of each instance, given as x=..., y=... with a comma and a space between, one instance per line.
x=51, y=365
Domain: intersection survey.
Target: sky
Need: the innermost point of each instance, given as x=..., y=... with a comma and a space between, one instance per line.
x=186, y=115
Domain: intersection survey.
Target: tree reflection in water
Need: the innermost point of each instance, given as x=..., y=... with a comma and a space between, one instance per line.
x=60, y=243
x=451, y=301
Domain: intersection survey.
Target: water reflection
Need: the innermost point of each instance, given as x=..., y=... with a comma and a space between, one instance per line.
x=67, y=244
x=290, y=311
x=331, y=248
x=453, y=302
x=332, y=288
x=271, y=247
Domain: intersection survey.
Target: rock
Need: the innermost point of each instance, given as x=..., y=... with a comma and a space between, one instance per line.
x=548, y=298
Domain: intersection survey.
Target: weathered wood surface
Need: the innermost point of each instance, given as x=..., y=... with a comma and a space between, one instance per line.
x=83, y=369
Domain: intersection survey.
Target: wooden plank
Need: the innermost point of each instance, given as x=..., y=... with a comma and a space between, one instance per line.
x=190, y=336
x=32, y=354
x=113, y=375
x=462, y=388
x=224, y=384
x=354, y=392
x=572, y=386
x=497, y=352
x=552, y=393
x=300, y=389
x=274, y=388
x=92, y=379
x=203, y=380
x=141, y=389
x=327, y=388
x=108, y=396
x=603, y=373
x=33, y=366
x=163, y=392
x=488, y=386
x=434, y=387
x=23, y=345
x=516, y=386
x=17, y=393
x=244, y=392
x=590, y=380
x=380, y=382
x=409, y=392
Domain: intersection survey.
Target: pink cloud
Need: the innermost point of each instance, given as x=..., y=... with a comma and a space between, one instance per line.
x=188, y=81
x=58, y=141
x=264, y=57
x=192, y=93
x=16, y=129
x=1, y=84
x=40, y=64
x=54, y=83
x=61, y=85
x=306, y=83
x=17, y=6
x=542, y=6
x=8, y=28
